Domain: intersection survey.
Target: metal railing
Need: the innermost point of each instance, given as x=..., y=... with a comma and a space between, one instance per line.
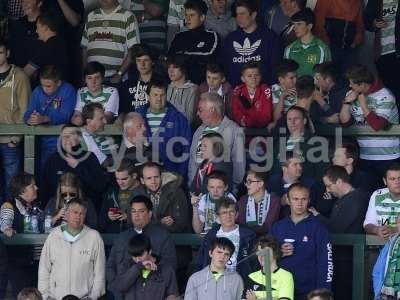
x=359, y=242
x=30, y=132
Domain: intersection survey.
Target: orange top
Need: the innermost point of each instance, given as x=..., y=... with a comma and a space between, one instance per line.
x=349, y=10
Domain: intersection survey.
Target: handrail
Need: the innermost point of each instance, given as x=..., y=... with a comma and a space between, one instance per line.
x=328, y=130
x=357, y=241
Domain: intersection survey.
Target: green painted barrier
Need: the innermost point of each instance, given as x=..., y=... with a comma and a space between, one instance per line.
x=359, y=242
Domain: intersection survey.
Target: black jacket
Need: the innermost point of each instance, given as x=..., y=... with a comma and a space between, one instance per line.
x=200, y=46
x=348, y=213
x=159, y=285
x=373, y=11
x=173, y=203
x=162, y=246
x=93, y=178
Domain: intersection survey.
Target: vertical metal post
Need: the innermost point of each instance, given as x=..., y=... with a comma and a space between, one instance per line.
x=358, y=271
x=267, y=272
x=29, y=154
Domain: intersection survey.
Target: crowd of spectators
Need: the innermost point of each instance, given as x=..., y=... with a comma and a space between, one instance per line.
x=218, y=106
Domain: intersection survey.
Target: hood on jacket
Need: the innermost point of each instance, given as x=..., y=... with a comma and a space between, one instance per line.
x=187, y=85
x=59, y=233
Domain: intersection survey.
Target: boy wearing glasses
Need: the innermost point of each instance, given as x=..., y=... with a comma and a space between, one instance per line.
x=242, y=238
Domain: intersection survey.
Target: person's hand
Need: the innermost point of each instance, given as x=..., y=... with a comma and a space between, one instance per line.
x=122, y=216
x=71, y=161
x=287, y=249
x=379, y=24
x=362, y=99
x=168, y=221
x=149, y=265
x=116, y=78
x=9, y=232
x=351, y=97
x=12, y=144
x=313, y=211
x=113, y=216
x=60, y=215
x=383, y=232
x=289, y=92
x=333, y=119
x=250, y=295
x=194, y=200
x=284, y=200
x=319, y=97
x=37, y=119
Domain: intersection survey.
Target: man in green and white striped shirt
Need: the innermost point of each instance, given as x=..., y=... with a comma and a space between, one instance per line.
x=109, y=33
x=384, y=205
x=369, y=103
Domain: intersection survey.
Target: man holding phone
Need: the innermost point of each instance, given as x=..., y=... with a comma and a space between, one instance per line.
x=305, y=245
x=113, y=213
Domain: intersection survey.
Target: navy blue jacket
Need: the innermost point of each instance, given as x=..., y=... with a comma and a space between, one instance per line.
x=174, y=125
x=311, y=264
x=239, y=47
x=246, y=246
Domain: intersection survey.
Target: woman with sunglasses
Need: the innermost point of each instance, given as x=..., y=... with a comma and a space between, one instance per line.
x=69, y=188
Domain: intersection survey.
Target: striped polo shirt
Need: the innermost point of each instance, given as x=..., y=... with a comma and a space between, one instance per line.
x=277, y=93
x=154, y=121
x=108, y=37
x=382, y=209
x=387, y=34
x=384, y=105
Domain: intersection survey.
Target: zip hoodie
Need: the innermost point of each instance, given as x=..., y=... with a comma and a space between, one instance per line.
x=76, y=268
x=311, y=264
x=15, y=91
x=202, y=285
x=184, y=98
x=253, y=113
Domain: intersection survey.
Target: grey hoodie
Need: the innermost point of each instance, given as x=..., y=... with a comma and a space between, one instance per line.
x=183, y=98
x=202, y=285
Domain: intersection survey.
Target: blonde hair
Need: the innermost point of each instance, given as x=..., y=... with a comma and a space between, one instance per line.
x=69, y=180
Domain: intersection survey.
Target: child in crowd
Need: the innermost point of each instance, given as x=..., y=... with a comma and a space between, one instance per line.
x=216, y=82
x=51, y=103
x=95, y=91
x=212, y=150
x=181, y=92
x=200, y=46
x=204, y=206
x=284, y=93
x=252, y=100
x=134, y=91
x=143, y=277
x=305, y=88
x=215, y=281
x=281, y=280
x=307, y=50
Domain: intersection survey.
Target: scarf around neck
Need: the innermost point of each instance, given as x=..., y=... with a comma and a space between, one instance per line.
x=258, y=217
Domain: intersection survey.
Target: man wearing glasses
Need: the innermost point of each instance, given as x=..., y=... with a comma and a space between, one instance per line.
x=242, y=238
x=161, y=242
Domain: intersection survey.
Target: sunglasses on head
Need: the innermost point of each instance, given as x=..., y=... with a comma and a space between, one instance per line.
x=68, y=194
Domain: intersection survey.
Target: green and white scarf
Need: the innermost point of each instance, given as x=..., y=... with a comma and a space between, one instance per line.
x=254, y=217
x=391, y=283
